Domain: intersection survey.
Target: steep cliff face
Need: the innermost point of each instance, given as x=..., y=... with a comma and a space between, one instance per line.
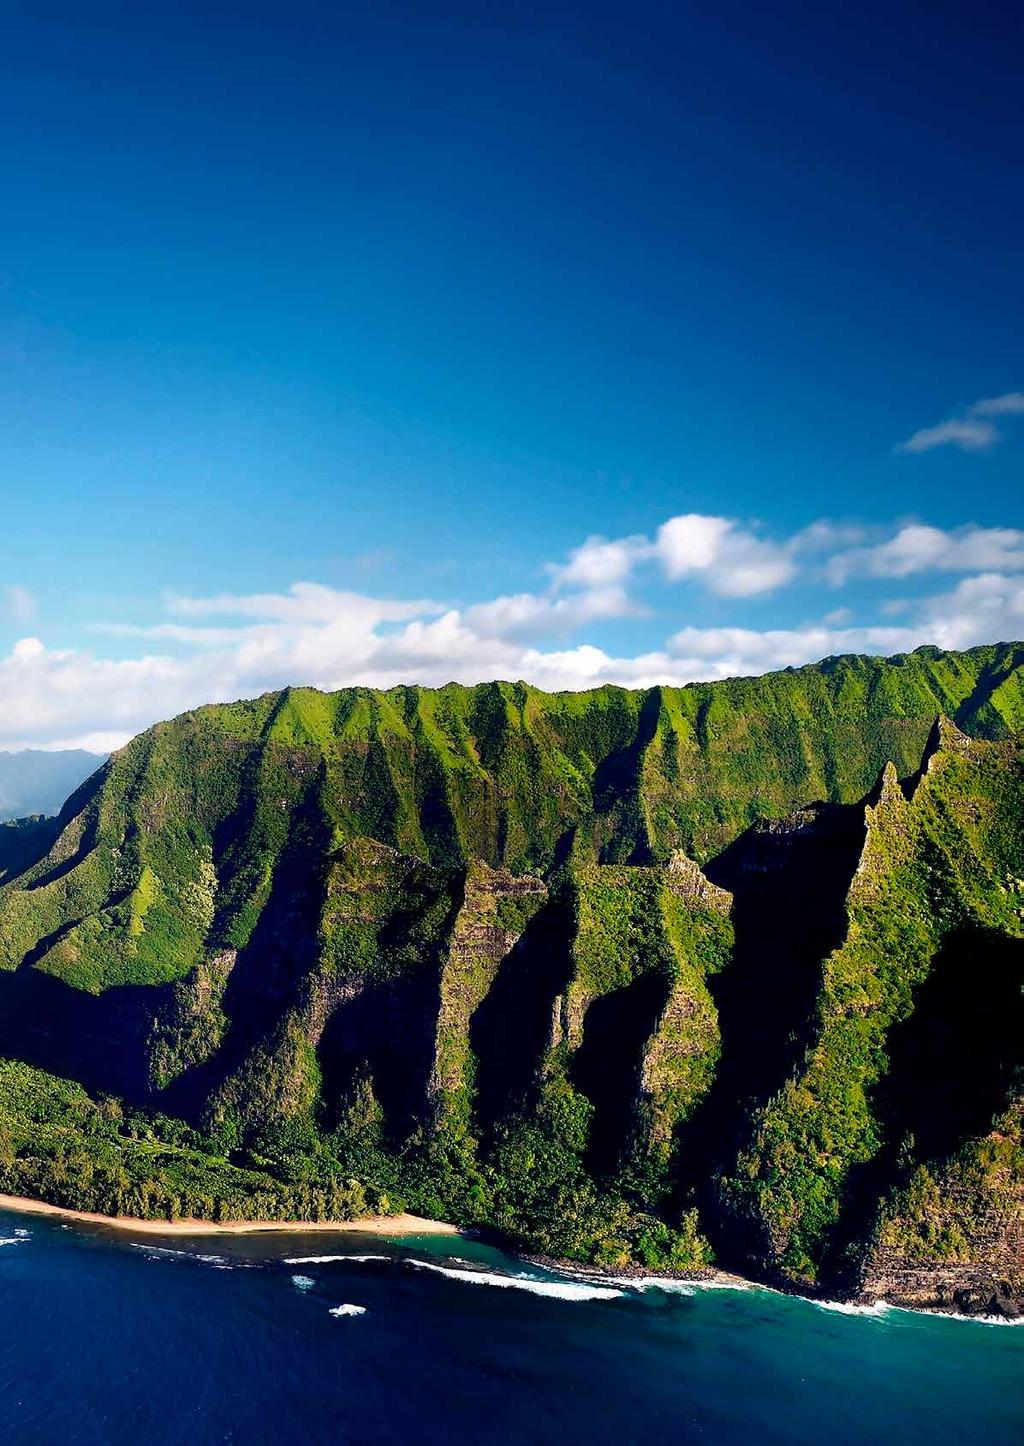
x=952, y=1236
x=631, y=976
x=913, y=1050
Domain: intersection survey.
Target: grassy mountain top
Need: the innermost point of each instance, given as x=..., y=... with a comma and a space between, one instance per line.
x=180, y=844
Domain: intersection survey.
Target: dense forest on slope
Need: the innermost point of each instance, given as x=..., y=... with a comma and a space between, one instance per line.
x=727, y=971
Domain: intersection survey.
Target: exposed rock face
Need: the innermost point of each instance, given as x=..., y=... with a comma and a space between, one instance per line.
x=992, y=1285
x=878, y=1140
x=601, y=969
x=496, y=908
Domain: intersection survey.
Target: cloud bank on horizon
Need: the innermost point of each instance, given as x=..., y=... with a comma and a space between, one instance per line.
x=223, y=647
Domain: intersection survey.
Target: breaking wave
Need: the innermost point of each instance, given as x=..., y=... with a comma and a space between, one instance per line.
x=219, y=1262
x=348, y=1310
x=327, y=1259
x=556, y=1289
x=656, y=1282
x=876, y=1308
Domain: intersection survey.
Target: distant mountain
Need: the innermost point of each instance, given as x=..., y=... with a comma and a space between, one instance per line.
x=641, y=977
x=33, y=781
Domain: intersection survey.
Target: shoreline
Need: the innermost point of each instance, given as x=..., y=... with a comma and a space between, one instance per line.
x=712, y=1277
x=402, y=1224
x=405, y=1224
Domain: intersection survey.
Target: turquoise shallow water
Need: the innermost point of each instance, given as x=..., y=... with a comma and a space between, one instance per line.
x=108, y=1341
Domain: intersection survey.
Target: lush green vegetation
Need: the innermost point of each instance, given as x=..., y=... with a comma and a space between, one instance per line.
x=60, y=1145
x=939, y=870
x=454, y=950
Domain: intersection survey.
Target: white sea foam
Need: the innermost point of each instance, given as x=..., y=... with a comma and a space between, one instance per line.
x=349, y=1310
x=303, y=1282
x=876, y=1308
x=10, y=1240
x=985, y=1320
x=879, y=1309
x=676, y=1285
x=219, y=1262
x=559, y=1290
x=159, y=1249
x=23, y=1234
x=917, y=1312
x=327, y=1259
x=655, y=1282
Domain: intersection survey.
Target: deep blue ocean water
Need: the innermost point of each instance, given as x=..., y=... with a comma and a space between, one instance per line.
x=105, y=1341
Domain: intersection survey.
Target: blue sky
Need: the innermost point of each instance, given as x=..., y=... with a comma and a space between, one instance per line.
x=426, y=342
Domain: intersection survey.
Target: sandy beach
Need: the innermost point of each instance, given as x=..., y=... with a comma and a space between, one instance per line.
x=376, y=1224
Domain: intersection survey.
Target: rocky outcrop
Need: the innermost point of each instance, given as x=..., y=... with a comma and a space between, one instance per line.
x=496, y=908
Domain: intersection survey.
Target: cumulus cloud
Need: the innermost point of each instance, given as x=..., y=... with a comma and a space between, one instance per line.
x=732, y=561
x=727, y=558
x=226, y=646
x=600, y=563
x=917, y=548
x=732, y=652
x=528, y=614
x=986, y=608
x=974, y=431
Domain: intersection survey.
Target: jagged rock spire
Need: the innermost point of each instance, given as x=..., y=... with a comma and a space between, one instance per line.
x=945, y=737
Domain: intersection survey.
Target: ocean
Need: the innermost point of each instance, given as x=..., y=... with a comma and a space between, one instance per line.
x=106, y=1340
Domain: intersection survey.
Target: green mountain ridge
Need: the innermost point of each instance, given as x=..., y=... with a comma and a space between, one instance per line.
x=725, y=971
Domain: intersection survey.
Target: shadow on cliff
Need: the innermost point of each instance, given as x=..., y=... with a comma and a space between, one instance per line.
x=620, y=821
x=952, y=1067
x=98, y=1039
x=385, y=1030
x=607, y=1066
x=385, y=1034
x=789, y=880
x=281, y=951
x=103, y=1040
x=511, y=1030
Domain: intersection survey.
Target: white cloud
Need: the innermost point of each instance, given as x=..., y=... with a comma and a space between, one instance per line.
x=1010, y=404
x=527, y=614
x=969, y=434
x=304, y=602
x=730, y=560
x=725, y=557
x=216, y=648
x=917, y=548
x=737, y=652
x=691, y=543
x=986, y=608
x=600, y=563
x=823, y=535
x=972, y=432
